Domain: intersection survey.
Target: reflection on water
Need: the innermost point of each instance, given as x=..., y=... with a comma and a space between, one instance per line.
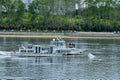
x=106, y=66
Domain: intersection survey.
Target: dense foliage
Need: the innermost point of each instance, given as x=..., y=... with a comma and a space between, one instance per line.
x=60, y=15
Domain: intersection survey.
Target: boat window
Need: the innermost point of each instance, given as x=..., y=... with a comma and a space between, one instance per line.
x=30, y=51
x=58, y=51
x=30, y=47
x=61, y=44
x=54, y=43
x=23, y=50
x=44, y=48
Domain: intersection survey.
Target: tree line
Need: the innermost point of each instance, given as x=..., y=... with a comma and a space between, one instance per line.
x=60, y=15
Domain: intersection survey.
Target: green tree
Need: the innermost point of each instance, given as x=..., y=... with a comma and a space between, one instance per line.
x=41, y=9
x=12, y=12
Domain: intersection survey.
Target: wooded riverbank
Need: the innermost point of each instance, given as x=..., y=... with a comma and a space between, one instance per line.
x=60, y=15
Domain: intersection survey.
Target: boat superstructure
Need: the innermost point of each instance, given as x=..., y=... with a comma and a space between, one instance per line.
x=57, y=47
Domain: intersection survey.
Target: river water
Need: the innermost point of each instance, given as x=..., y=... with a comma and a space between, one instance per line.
x=105, y=65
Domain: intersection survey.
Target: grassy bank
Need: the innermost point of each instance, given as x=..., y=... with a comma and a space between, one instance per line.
x=31, y=34
x=90, y=35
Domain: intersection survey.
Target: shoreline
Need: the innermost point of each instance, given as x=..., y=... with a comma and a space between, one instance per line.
x=82, y=35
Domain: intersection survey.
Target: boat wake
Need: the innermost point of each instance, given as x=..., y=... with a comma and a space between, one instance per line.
x=5, y=54
x=93, y=57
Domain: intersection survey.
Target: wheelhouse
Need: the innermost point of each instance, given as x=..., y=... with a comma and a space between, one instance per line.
x=58, y=42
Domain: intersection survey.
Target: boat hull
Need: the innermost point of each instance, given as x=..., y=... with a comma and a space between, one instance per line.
x=18, y=54
x=45, y=54
x=35, y=55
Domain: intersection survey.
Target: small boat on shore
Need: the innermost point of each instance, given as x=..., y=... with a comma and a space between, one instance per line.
x=57, y=47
